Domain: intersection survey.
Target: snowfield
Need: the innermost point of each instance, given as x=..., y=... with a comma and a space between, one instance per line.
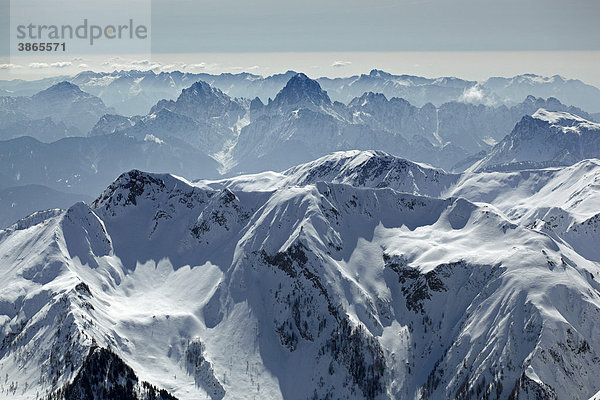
x=355, y=276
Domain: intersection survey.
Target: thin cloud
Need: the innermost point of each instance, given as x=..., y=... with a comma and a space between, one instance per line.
x=61, y=64
x=38, y=65
x=10, y=66
x=135, y=65
x=141, y=62
x=472, y=95
x=252, y=68
x=340, y=64
x=201, y=65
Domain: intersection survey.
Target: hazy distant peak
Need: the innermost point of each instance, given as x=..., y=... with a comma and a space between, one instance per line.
x=371, y=97
x=301, y=89
x=379, y=73
x=60, y=88
x=199, y=88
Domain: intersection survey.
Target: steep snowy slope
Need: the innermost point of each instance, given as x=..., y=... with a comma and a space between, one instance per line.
x=546, y=137
x=301, y=292
x=574, y=188
x=563, y=202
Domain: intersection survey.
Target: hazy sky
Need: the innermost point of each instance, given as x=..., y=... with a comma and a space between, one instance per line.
x=321, y=36
x=380, y=25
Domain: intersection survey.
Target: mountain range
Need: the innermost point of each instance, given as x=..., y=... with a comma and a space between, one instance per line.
x=250, y=136
x=206, y=133
x=358, y=275
x=135, y=92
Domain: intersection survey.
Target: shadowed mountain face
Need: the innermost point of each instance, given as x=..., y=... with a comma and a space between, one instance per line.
x=85, y=165
x=202, y=116
x=300, y=90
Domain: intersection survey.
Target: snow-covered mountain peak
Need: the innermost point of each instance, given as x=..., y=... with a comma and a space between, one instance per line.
x=132, y=186
x=372, y=169
x=565, y=120
x=361, y=168
x=544, y=139
x=135, y=186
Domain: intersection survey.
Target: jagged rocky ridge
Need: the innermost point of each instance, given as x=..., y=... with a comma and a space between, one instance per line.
x=135, y=92
x=302, y=123
x=312, y=289
x=103, y=375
